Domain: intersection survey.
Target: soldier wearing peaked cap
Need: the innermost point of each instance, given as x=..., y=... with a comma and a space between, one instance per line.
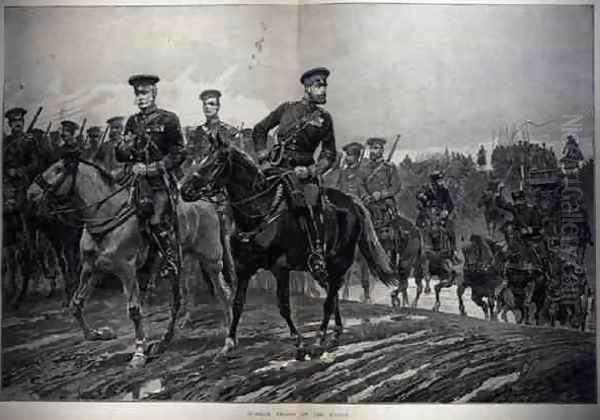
x=153, y=145
x=351, y=181
x=435, y=206
x=71, y=146
x=200, y=141
x=105, y=156
x=198, y=147
x=303, y=126
x=18, y=150
x=94, y=134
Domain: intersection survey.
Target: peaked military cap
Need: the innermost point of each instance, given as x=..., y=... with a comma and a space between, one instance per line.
x=114, y=120
x=70, y=125
x=209, y=93
x=314, y=75
x=376, y=140
x=353, y=148
x=15, y=113
x=435, y=175
x=94, y=129
x=518, y=195
x=143, y=79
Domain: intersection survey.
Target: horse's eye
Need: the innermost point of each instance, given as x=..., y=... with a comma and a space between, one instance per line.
x=57, y=171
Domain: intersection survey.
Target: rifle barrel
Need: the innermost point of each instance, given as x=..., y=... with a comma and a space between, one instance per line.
x=34, y=120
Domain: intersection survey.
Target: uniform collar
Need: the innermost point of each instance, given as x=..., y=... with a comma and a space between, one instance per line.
x=149, y=111
x=212, y=122
x=311, y=105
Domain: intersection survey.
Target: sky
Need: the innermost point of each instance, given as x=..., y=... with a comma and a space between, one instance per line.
x=440, y=75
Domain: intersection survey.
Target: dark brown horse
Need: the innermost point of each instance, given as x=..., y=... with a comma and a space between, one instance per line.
x=481, y=274
x=269, y=235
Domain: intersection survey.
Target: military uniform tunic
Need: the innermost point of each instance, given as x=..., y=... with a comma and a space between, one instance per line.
x=351, y=181
x=381, y=176
x=302, y=127
x=165, y=144
x=200, y=140
x=18, y=154
x=158, y=139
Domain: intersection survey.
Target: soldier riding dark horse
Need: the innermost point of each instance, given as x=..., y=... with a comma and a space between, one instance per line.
x=285, y=221
x=302, y=127
x=435, y=207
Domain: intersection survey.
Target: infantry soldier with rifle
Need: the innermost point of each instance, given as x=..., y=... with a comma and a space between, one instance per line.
x=106, y=154
x=18, y=168
x=303, y=126
x=153, y=143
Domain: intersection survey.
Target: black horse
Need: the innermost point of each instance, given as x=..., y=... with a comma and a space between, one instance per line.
x=269, y=235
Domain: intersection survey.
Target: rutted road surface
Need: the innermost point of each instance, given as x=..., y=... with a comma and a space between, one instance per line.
x=393, y=357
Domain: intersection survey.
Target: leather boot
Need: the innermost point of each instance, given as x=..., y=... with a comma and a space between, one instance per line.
x=168, y=249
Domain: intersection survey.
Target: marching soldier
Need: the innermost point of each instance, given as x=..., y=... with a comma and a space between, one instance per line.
x=105, y=156
x=71, y=146
x=94, y=134
x=153, y=143
x=303, y=126
x=18, y=167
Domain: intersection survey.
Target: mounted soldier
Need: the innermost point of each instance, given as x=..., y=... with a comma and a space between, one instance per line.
x=382, y=184
x=202, y=137
x=435, y=207
x=105, y=156
x=153, y=143
x=303, y=126
x=350, y=180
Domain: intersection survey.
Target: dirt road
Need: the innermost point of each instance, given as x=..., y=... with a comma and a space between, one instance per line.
x=393, y=356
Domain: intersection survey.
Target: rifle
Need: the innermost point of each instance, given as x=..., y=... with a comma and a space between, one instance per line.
x=47, y=133
x=389, y=159
x=80, y=136
x=34, y=120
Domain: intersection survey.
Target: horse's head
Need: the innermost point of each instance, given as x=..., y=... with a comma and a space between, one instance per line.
x=55, y=185
x=224, y=165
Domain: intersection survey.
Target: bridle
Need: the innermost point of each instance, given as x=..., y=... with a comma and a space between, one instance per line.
x=51, y=190
x=58, y=204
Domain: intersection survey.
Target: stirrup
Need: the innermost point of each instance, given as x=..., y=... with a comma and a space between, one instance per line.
x=316, y=266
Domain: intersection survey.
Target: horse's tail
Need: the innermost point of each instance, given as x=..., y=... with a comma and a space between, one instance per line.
x=371, y=248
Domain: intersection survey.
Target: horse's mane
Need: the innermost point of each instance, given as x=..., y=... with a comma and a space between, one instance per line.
x=246, y=160
x=104, y=174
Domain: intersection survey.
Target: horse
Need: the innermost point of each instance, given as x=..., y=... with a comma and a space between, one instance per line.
x=481, y=274
x=113, y=243
x=525, y=269
x=269, y=234
x=407, y=257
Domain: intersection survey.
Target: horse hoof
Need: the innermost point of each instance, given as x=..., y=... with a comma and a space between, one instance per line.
x=436, y=307
x=101, y=334
x=227, y=348
x=138, y=361
x=185, y=323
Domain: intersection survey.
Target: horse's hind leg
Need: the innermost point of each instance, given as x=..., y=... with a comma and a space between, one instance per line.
x=339, y=327
x=243, y=276
x=212, y=270
x=478, y=299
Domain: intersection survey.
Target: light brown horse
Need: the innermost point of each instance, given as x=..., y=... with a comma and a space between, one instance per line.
x=112, y=243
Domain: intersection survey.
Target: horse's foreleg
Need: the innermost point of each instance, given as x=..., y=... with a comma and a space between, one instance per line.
x=243, y=277
x=87, y=284
x=418, y=273
x=282, y=275
x=365, y=275
x=328, y=309
x=339, y=327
